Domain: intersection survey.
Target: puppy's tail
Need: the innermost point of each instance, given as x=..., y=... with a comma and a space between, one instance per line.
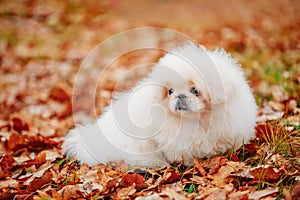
x=75, y=145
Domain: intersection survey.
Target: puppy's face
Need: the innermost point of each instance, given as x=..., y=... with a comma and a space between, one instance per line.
x=186, y=100
x=185, y=92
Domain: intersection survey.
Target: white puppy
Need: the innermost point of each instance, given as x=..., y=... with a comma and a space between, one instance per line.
x=194, y=103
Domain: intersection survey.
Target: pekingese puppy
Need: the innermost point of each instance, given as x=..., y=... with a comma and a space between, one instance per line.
x=194, y=103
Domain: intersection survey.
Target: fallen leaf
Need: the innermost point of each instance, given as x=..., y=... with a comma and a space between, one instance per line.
x=295, y=193
x=220, y=178
x=137, y=179
x=172, y=194
x=268, y=114
x=60, y=94
x=251, y=148
x=124, y=193
x=287, y=194
x=107, y=177
x=215, y=192
x=7, y=193
x=263, y=129
x=37, y=174
x=171, y=176
x=201, y=181
x=40, y=182
x=6, y=163
x=256, y=195
x=39, y=159
x=71, y=192
x=9, y=183
x=154, y=196
x=199, y=167
x=234, y=157
x=277, y=106
x=239, y=195
x=43, y=195
x=18, y=125
x=223, y=176
x=17, y=142
x=214, y=164
x=267, y=173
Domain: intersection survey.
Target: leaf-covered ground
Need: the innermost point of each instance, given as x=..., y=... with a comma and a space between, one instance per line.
x=42, y=43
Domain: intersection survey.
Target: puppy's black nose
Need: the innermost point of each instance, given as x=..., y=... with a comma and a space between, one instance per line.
x=181, y=96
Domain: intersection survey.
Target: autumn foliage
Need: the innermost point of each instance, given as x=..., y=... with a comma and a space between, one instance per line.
x=42, y=44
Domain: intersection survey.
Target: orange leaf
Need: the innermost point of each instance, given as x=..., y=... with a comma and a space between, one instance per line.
x=296, y=190
x=16, y=142
x=215, y=163
x=18, y=125
x=40, y=182
x=172, y=176
x=199, y=167
x=264, y=130
x=268, y=173
x=59, y=94
x=129, y=179
x=251, y=148
x=5, y=166
x=39, y=159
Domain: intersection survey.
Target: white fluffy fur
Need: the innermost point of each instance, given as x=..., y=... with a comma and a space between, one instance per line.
x=143, y=127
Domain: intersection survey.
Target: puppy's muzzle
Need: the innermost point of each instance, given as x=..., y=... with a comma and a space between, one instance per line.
x=181, y=104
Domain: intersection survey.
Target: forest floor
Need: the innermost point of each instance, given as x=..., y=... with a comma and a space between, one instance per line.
x=42, y=45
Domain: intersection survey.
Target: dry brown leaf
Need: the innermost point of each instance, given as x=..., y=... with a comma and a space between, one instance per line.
x=256, y=195
x=124, y=193
x=295, y=193
x=221, y=177
x=90, y=179
x=171, y=176
x=6, y=163
x=38, y=174
x=70, y=192
x=17, y=142
x=18, y=125
x=201, y=181
x=219, y=193
x=40, y=182
x=137, y=179
x=239, y=195
x=224, y=174
x=215, y=192
x=56, y=195
x=52, y=155
x=9, y=183
x=148, y=196
x=287, y=194
x=267, y=173
x=59, y=93
x=103, y=177
x=40, y=158
x=172, y=194
x=43, y=194
x=199, y=167
x=266, y=113
x=214, y=164
x=263, y=129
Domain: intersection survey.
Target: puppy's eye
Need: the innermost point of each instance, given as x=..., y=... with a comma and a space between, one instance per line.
x=170, y=91
x=194, y=91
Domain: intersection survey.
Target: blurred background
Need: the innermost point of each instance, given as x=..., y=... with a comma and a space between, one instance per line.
x=43, y=42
